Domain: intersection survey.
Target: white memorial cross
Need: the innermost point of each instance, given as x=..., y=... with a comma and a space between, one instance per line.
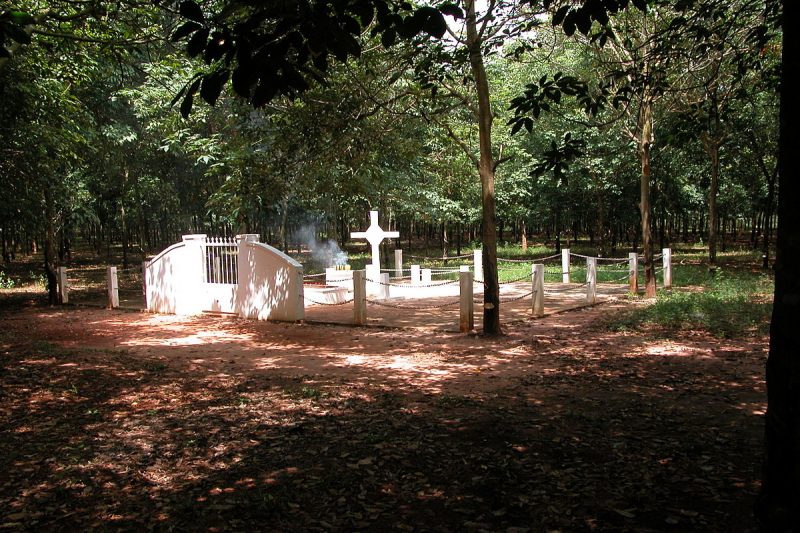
x=374, y=236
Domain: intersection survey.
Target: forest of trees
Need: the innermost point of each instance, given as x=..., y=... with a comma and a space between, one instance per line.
x=629, y=126
x=94, y=147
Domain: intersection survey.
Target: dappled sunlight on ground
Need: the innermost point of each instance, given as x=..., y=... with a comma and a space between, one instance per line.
x=137, y=421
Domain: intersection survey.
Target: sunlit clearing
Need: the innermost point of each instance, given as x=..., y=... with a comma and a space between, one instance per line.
x=671, y=349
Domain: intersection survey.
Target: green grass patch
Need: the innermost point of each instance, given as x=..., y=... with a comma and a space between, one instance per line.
x=731, y=304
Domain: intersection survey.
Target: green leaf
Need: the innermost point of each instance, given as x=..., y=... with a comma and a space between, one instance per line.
x=18, y=34
x=21, y=18
x=198, y=42
x=212, y=86
x=583, y=21
x=264, y=93
x=388, y=37
x=558, y=18
x=192, y=11
x=451, y=9
x=435, y=25
x=242, y=81
x=186, y=105
x=185, y=29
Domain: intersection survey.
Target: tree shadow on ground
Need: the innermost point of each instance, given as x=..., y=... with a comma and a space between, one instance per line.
x=259, y=430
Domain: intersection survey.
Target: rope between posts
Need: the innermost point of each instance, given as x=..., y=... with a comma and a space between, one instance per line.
x=626, y=276
x=307, y=276
x=415, y=307
x=549, y=257
x=613, y=260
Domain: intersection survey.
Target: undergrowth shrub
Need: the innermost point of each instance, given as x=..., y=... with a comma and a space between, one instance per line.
x=730, y=305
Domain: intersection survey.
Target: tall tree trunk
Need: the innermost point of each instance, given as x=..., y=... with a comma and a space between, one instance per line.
x=713, y=189
x=780, y=490
x=524, y=233
x=445, y=242
x=50, y=246
x=284, y=233
x=486, y=170
x=646, y=135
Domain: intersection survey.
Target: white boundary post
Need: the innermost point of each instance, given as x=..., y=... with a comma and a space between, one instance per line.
x=565, y=265
x=415, y=275
x=466, y=321
x=666, y=259
x=427, y=278
x=537, y=280
x=633, y=272
x=359, y=297
x=113, y=287
x=398, y=263
x=591, y=279
x=63, y=285
x=477, y=263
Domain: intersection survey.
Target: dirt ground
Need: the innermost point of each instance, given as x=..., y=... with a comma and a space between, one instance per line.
x=125, y=420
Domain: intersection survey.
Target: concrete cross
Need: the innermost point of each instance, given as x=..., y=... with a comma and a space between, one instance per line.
x=374, y=236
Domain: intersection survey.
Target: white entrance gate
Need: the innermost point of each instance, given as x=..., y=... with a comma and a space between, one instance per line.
x=239, y=275
x=220, y=274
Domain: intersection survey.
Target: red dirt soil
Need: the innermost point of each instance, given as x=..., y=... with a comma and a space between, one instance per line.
x=125, y=420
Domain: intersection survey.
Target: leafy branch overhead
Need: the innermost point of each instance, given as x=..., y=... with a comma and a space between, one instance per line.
x=277, y=48
x=12, y=29
x=558, y=157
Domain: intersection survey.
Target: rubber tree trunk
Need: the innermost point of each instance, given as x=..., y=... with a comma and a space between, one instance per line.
x=646, y=134
x=780, y=490
x=713, y=192
x=486, y=170
x=283, y=232
x=50, y=246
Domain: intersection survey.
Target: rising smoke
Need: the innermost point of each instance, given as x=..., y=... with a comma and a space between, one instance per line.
x=326, y=253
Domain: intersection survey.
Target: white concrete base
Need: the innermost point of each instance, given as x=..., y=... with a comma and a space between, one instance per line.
x=325, y=295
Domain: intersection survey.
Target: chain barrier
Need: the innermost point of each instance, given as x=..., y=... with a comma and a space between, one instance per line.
x=448, y=258
x=517, y=298
x=327, y=303
x=428, y=285
x=523, y=278
x=552, y=291
x=514, y=260
x=414, y=307
x=532, y=260
x=310, y=276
